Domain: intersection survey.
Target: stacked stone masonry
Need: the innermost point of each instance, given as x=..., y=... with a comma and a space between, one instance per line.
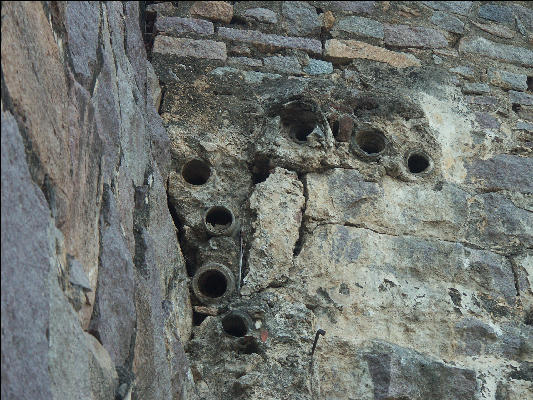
x=190, y=190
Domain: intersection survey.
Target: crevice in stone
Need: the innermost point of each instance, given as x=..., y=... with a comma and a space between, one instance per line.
x=466, y=245
x=141, y=214
x=260, y=169
x=188, y=250
x=163, y=92
x=301, y=232
x=99, y=56
x=514, y=269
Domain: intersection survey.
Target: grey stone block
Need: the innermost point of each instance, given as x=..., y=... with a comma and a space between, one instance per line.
x=286, y=65
x=456, y=7
x=476, y=88
x=496, y=12
x=261, y=15
x=300, y=18
x=182, y=47
x=413, y=36
x=360, y=26
x=508, y=80
x=318, y=67
x=358, y=7
x=464, y=71
x=487, y=121
x=520, y=98
x=482, y=46
x=448, y=22
x=524, y=126
x=263, y=39
x=178, y=25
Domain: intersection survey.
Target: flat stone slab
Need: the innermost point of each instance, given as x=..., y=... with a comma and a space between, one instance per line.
x=207, y=49
x=456, y=7
x=258, y=38
x=177, y=25
x=353, y=49
x=360, y=26
x=413, y=36
x=505, y=52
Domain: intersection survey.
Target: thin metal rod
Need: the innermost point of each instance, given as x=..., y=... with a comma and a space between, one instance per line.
x=318, y=333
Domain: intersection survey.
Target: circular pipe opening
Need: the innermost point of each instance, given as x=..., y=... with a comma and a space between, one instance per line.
x=212, y=282
x=196, y=172
x=235, y=324
x=418, y=163
x=371, y=143
x=219, y=220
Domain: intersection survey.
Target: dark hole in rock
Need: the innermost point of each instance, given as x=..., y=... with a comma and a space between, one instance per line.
x=218, y=217
x=417, y=163
x=260, y=170
x=198, y=318
x=148, y=34
x=334, y=128
x=249, y=345
x=96, y=334
x=238, y=21
x=212, y=283
x=196, y=172
x=530, y=83
x=300, y=118
x=234, y=325
x=516, y=107
x=371, y=142
x=301, y=131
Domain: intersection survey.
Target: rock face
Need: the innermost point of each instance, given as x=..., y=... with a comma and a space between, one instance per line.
x=79, y=135
x=290, y=200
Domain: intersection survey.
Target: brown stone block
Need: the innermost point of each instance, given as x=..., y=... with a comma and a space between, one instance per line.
x=213, y=10
x=351, y=49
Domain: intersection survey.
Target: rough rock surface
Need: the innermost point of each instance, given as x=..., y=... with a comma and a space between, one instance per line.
x=289, y=200
x=79, y=135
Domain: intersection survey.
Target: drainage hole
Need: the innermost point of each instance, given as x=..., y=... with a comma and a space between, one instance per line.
x=417, y=163
x=219, y=217
x=196, y=172
x=371, y=142
x=212, y=283
x=234, y=325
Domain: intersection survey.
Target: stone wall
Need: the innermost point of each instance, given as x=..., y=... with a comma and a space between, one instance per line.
x=182, y=228
x=93, y=280
x=376, y=159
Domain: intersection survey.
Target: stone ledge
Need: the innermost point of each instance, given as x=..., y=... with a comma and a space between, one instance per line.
x=207, y=49
x=313, y=46
x=352, y=49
